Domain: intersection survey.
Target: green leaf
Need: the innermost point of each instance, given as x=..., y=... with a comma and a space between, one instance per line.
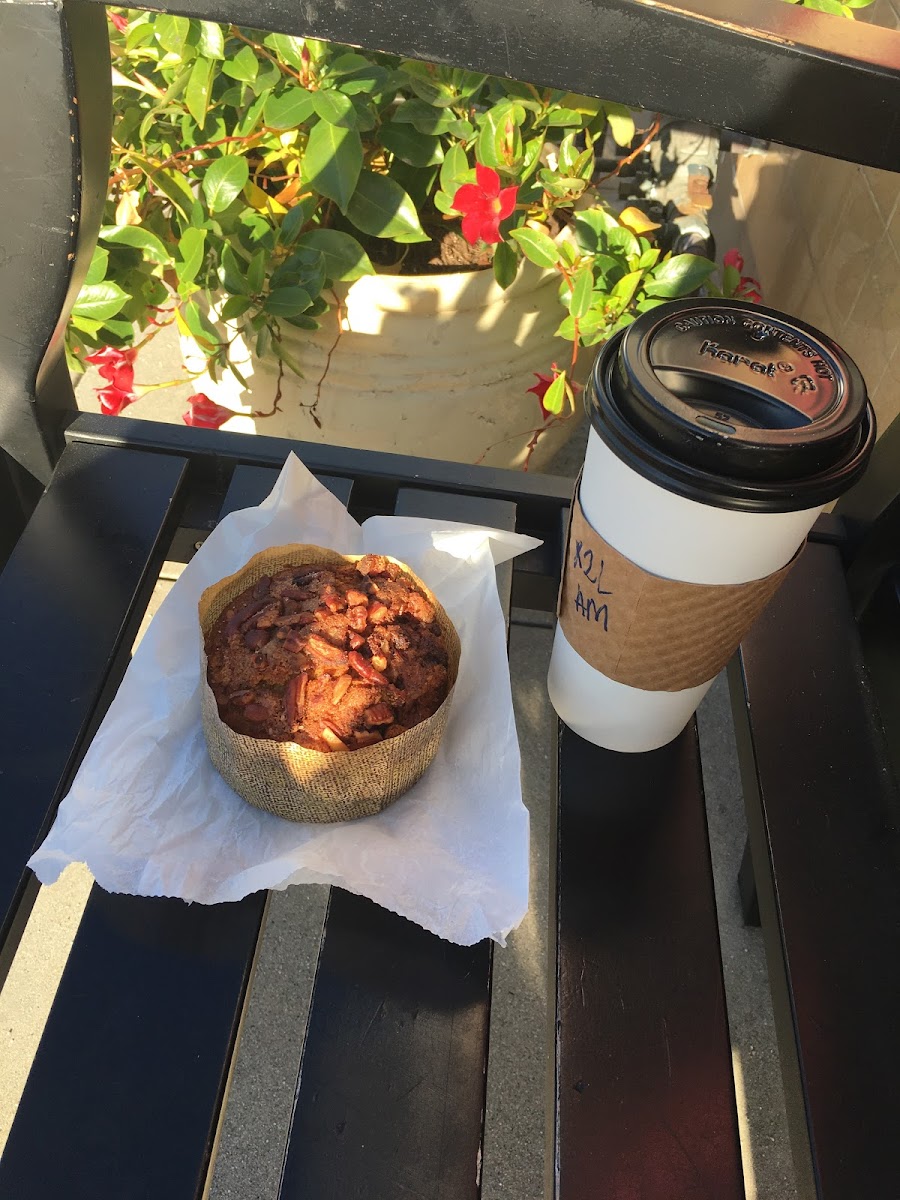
x=455, y=170
x=500, y=139
x=86, y=325
x=417, y=149
x=649, y=258
x=625, y=288
x=348, y=63
x=343, y=256
x=224, y=180
x=295, y=219
x=287, y=47
x=256, y=272
x=563, y=117
x=592, y=226
x=555, y=395
x=231, y=273
x=621, y=123
x=679, y=276
x=333, y=162
x=335, y=108
x=287, y=302
x=171, y=32
x=531, y=157
x=196, y=95
x=425, y=117
x=235, y=306
x=303, y=322
x=429, y=83
x=731, y=278
x=586, y=105
x=212, y=42
x=191, y=248
x=100, y=300
x=199, y=325
x=537, y=246
x=97, y=270
x=138, y=237
x=381, y=207
x=290, y=109
x=582, y=292
x=244, y=66
x=506, y=264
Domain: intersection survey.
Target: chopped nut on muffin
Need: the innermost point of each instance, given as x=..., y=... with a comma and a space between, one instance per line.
x=331, y=657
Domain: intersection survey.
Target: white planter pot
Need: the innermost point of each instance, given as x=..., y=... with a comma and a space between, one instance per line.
x=433, y=365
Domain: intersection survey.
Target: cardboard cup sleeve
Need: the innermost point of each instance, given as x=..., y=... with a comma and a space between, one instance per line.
x=308, y=785
x=660, y=635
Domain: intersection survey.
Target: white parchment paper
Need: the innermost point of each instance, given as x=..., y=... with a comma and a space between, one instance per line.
x=150, y=816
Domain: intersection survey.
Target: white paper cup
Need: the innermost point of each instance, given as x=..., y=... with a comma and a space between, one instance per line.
x=718, y=513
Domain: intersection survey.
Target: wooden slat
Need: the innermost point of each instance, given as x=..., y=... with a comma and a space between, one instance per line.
x=390, y=1100
x=644, y=1091
x=128, y=1081
x=71, y=597
x=824, y=822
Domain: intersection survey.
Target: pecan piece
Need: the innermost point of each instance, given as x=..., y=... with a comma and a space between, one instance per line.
x=244, y=614
x=364, y=669
x=294, y=697
x=378, y=714
x=379, y=612
x=372, y=564
x=332, y=601
x=256, y=638
x=341, y=687
x=355, y=640
x=379, y=662
x=319, y=648
x=269, y=615
x=242, y=697
x=331, y=739
x=262, y=587
x=256, y=712
x=357, y=618
x=355, y=598
x=367, y=738
x=294, y=593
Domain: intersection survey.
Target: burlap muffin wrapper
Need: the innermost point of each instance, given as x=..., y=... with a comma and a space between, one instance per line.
x=309, y=785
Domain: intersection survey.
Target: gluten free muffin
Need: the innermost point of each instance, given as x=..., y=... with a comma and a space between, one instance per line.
x=329, y=656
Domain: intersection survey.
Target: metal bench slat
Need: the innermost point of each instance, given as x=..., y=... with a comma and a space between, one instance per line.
x=823, y=819
x=131, y=1071
x=390, y=1099
x=644, y=1088
x=71, y=597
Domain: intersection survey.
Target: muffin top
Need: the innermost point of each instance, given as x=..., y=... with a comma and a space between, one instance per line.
x=332, y=657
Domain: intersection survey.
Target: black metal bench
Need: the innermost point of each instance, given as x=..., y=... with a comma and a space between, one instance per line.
x=127, y=1090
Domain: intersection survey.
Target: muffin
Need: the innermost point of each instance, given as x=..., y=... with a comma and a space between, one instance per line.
x=326, y=681
x=332, y=657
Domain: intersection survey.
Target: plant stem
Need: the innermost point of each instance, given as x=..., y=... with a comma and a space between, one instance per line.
x=629, y=158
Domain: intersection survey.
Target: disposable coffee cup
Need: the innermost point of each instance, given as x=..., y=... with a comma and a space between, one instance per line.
x=719, y=431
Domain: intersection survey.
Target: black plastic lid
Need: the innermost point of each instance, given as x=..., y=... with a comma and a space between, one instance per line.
x=734, y=405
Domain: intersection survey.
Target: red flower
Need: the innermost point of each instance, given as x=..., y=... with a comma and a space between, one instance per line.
x=540, y=390
x=113, y=400
x=484, y=205
x=205, y=413
x=734, y=258
x=117, y=368
x=120, y=22
x=747, y=288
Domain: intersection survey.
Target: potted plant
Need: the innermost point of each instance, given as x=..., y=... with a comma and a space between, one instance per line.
x=283, y=199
